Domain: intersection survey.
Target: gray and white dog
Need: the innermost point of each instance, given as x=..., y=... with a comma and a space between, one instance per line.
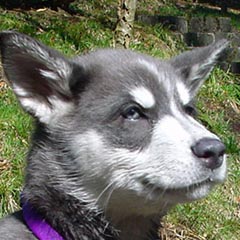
x=116, y=144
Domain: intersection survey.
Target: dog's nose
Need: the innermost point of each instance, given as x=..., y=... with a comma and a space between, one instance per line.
x=210, y=151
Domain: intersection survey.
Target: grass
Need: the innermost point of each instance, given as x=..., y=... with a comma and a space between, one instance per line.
x=216, y=217
x=14, y=133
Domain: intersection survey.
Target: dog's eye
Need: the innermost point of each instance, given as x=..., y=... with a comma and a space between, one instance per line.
x=190, y=110
x=132, y=113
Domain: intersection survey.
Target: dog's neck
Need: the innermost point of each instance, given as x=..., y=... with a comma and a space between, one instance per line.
x=73, y=219
x=135, y=217
x=139, y=228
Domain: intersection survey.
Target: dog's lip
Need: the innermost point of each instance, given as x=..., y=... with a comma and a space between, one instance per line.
x=155, y=187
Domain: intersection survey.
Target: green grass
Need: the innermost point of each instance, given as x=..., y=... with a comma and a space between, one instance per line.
x=216, y=217
x=14, y=134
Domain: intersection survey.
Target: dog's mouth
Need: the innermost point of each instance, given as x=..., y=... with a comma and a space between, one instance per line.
x=146, y=183
x=181, y=194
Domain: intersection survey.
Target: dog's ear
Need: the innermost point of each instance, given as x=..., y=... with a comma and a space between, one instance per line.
x=38, y=75
x=196, y=65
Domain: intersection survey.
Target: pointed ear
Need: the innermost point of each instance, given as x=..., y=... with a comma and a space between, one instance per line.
x=196, y=65
x=38, y=75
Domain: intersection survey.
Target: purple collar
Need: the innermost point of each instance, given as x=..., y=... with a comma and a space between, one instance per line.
x=39, y=227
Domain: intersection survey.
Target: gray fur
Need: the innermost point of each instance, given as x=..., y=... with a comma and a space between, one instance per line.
x=91, y=167
x=20, y=229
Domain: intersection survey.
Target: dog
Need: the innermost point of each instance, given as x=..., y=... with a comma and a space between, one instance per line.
x=116, y=141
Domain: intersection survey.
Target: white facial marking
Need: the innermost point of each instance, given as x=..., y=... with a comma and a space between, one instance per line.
x=183, y=93
x=199, y=130
x=143, y=97
x=173, y=129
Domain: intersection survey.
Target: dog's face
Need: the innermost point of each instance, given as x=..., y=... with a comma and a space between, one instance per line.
x=126, y=120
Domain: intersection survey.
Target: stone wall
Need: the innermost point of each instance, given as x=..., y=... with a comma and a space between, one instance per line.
x=202, y=31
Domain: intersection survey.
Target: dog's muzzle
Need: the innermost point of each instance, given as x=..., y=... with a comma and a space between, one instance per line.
x=210, y=151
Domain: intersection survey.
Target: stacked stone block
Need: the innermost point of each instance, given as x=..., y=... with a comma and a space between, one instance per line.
x=202, y=31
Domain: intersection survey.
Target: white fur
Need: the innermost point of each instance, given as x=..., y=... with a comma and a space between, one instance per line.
x=62, y=67
x=49, y=74
x=21, y=92
x=44, y=112
x=143, y=97
x=183, y=92
x=199, y=130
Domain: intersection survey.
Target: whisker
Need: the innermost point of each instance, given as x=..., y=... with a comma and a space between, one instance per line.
x=109, y=196
x=104, y=191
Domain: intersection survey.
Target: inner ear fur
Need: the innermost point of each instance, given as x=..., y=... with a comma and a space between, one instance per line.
x=195, y=66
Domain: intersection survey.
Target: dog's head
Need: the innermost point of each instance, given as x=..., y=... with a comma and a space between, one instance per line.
x=126, y=121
